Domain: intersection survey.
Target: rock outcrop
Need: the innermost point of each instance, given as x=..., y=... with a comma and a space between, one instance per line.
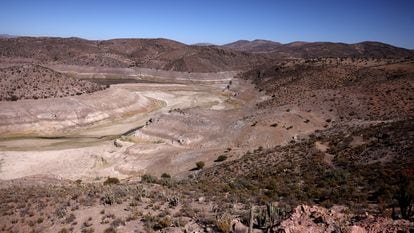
x=318, y=219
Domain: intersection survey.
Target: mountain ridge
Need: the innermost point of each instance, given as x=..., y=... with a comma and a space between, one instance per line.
x=172, y=55
x=313, y=49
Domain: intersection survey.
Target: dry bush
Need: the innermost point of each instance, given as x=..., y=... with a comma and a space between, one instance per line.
x=223, y=223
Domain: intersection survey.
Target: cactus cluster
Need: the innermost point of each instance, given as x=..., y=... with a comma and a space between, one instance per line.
x=268, y=217
x=173, y=201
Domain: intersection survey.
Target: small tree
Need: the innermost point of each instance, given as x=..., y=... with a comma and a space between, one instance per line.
x=200, y=165
x=404, y=196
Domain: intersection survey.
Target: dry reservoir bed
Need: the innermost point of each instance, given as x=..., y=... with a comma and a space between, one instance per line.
x=73, y=137
x=133, y=129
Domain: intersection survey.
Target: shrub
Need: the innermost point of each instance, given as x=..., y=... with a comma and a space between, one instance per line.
x=117, y=222
x=221, y=158
x=60, y=212
x=165, y=176
x=14, y=98
x=404, y=196
x=63, y=230
x=108, y=199
x=111, y=180
x=110, y=230
x=200, y=165
x=39, y=220
x=88, y=230
x=155, y=222
x=172, y=201
x=165, y=222
x=70, y=218
x=168, y=182
x=223, y=223
x=149, y=179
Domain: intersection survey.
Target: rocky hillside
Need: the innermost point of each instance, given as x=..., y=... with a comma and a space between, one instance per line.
x=361, y=174
x=357, y=89
x=361, y=162
x=149, y=53
x=319, y=49
x=37, y=82
x=328, y=49
x=172, y=55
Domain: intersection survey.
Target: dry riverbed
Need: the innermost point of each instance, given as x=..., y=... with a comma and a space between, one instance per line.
x=138, y=128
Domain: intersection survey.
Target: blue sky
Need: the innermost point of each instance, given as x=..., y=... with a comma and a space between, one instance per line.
x=214, y=21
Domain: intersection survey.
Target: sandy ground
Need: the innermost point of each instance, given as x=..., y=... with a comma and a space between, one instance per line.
x=176, y=126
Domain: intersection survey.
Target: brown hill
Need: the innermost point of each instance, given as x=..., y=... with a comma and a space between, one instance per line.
x=368, y=171
x=172, y=55
x=149, y=53
x=37, y=82
x=300, y=49
x=329, y=49
x=350, y=90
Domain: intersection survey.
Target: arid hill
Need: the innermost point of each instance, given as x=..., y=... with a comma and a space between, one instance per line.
x=320, y=49
x=37, y=82
x=350, y=90
x=172, y=55
x=365, y=164
x=149, y=53
x=329, y=49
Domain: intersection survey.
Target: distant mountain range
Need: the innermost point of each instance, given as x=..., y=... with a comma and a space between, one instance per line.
x=149, y=53
x=172, y=55
x=255, y=46
x=204, y=44
x=7, y=36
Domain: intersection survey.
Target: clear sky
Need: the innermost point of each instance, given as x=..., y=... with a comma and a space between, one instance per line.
x=214, y=21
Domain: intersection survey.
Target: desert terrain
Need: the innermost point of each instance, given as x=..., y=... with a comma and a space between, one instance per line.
x=152, y=135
